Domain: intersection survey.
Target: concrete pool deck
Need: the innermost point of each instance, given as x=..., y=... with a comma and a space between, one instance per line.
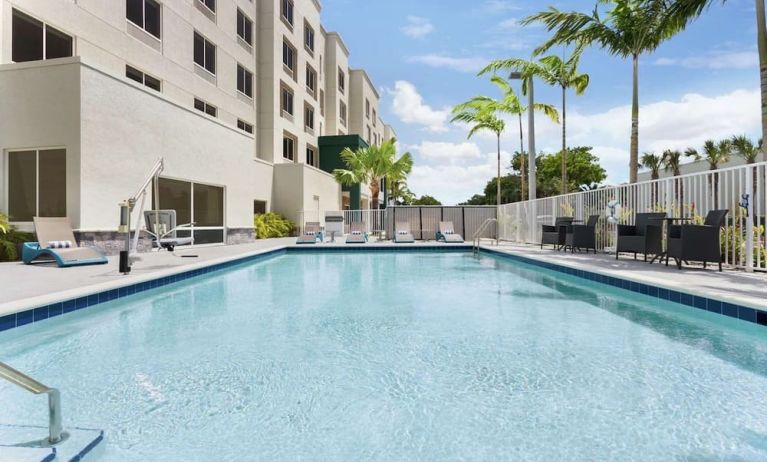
x=30, y=286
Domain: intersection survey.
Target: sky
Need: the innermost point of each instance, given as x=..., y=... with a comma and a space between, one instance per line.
x=423, y=55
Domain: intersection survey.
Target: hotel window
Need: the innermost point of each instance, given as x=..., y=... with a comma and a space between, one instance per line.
x=286, y=11
x=311, y=81
x=259, y=207
x=207, y=108
x=375, y=117
x=288, y=146
x=209, y=4
x=145, y=14
x=37, y=184
x=311, y=156
x=244, y=28
x=341, y=80
x=244, y=81
x=142, y=78
x=322, y=103
x=370, y=135
x=309, y=37
x=342, y=113
x=367, y=108
x=244, y=126
x=286, y=101
x=33, y=40
x=196, y=203
x=308, y=117
x=289, y=58
x=204, y=53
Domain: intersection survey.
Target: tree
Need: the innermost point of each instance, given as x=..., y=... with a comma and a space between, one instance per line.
x=714, y=153
x=554, y=71
x=371, y=164
x=672, y=160
x=653, y=163
x=745, y=148
x=582, y=169
x=629, y=29
x=687, y=10
x=481, y=113
x=399, y=193
x=426, y=200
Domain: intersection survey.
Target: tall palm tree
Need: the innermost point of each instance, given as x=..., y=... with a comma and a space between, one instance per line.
x=629, y=29
x=652, y=162
x=672, y=160
x=687, y=10
x=554, y=71
x=371, y=164
x=743, y=147
x=481, y=112
x=714, y=153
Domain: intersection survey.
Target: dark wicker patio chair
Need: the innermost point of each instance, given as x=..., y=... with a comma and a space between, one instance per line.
x=555, y=235
x=697, y=242
x=583, y=236
x=645, y=236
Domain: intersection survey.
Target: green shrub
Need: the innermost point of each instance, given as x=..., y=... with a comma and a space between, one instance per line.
x=10, y=240
x=272, y=225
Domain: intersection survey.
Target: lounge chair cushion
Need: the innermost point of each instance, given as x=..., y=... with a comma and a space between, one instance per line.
x=60, y=244
x=403, y=233
x=357, y=233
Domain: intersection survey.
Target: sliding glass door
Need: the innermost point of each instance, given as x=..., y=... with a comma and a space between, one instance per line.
x=196, y=203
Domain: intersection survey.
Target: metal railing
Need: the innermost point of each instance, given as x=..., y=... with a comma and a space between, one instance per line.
x=55, y=434
x=374, y=220
x=477, y=237
x=740, y=189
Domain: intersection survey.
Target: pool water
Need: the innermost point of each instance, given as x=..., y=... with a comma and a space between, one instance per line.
x=398, y=357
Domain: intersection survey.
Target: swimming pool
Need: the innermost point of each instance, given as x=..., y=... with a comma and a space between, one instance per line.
x=398, y=356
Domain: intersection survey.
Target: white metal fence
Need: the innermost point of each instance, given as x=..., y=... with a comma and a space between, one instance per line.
x=690, y=196
x=374, y=220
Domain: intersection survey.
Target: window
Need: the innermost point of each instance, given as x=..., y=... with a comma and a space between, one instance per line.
x=145, y=14
x=289, y=58
x=204, y=53
x=37, y=184
x=142, y=78
x=259, y=207
x=286, y=11
x=207, y=108
x=244, y=28
x=209, y=4
x=311, y=156
x=311, y=80
x=322, y=103
x=309, y=117
x=375, y=117
x=244, y=126
x=244, y=81
x=33, y=40
x=370, y=135
x=367, y=108
x=341, y=80
x=342, y=112
x=288, y=146
x=287, y=100
x=196, y=203
x=308, y=37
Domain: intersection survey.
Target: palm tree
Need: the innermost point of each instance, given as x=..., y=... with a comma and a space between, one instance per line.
x=686, y=10
x=743, y=147
x=653, y=163
x=554, y=71
x=481, y=113
x=672, y=160
x=629, y=29
x=371, y=164
x=714, y=153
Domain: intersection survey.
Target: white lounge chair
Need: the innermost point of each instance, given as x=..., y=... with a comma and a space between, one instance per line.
x=447, y=233
x=402, y=234
x=311, y=234
x=56, y=239
x=161, y=226
x=357, y=233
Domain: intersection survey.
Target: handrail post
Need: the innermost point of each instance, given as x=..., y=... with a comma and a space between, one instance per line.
x=54, y=416
x=26, y=382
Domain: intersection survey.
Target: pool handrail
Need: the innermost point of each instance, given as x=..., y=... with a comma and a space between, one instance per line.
x=55, y=434
x=478, y=235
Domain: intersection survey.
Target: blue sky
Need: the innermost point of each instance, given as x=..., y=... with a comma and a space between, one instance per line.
x=423, y=55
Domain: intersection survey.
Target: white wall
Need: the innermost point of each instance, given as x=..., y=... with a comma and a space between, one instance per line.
x=295, y=188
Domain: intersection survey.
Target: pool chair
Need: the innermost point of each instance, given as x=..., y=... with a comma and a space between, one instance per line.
x=583, y=236
x=447, y=233
x=56, y=240
x=311, y=233
x=161, y=226
x=357, y=233
x=402, y=234
x=697, y=242
x=555, y=235
x=645, y=236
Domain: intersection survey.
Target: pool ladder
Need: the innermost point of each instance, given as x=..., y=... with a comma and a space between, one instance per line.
x=55, y=433
x=477, y=237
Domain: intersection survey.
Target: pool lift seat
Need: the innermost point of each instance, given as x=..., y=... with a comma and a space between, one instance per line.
x=161, y=226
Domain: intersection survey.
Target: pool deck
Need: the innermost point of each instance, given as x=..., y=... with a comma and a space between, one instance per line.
x=29, y=286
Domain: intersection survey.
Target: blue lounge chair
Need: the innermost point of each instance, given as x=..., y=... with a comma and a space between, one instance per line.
x=56, y=240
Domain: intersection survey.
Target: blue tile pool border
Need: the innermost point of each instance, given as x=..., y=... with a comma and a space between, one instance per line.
x=712, y=305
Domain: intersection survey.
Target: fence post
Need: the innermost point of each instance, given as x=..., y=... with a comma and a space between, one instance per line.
x=749, y=220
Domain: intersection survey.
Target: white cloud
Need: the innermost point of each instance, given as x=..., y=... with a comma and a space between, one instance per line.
x=511, y=23
x=714, y=60
x=498, y=6
x=472, y=65
x=417, y=27
x=409, y=107
x=443, y=152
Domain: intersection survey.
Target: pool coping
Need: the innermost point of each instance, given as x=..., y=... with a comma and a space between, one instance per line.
x=756, y=315
x=48, y=306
